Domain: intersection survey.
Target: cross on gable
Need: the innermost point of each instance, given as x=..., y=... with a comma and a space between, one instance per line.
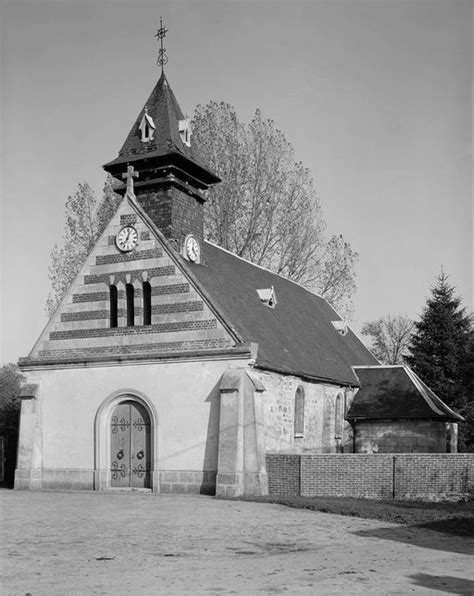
x=130, y=174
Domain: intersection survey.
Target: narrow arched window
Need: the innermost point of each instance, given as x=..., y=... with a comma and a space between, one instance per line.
x=299, y=412
x=338, y=416
x=146, y=303
x=130, y=295
x=113, y=306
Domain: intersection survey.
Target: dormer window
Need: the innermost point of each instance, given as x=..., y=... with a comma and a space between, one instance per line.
x=147, y=127
x=185, y=131
x=268, y=296
x=340, y=326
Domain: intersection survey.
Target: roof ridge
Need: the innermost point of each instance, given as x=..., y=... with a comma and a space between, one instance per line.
x=425, y=392
x=379, y=366
x=173, y=111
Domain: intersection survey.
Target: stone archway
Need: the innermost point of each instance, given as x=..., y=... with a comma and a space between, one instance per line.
x=126, y=442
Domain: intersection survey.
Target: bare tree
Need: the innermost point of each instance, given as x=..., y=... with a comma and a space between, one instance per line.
x=390, y=337
x=266, y=208
x=85, y=222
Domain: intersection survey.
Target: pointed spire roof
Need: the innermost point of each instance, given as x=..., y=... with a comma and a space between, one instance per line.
x=167, y=145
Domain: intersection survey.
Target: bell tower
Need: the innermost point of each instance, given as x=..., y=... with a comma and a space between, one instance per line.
x=172, y=179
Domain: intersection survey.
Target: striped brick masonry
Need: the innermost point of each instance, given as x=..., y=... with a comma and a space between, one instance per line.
x=177, y=307
x=171, y=289
x=94, y=297
x=128, y=219
x=134, y=273
x=181, y=321
x=153, y=349
x=90, y=315
x=139, y=330
x=123, y=257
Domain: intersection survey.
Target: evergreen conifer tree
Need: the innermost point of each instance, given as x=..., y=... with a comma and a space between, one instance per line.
x=440, y=351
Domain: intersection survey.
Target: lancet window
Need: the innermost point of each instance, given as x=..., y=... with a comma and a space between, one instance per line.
x=299, y=412
x=338, y=416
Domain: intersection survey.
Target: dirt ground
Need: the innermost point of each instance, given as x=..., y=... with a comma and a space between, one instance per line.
x=136, y=543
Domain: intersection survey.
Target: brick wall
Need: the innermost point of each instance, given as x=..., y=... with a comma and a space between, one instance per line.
x=346, y=475
x=283, y=474
x=449, y=475
x=375, y=476
x=174, y=212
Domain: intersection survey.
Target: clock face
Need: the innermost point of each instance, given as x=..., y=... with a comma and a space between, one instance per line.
x=192, y=248
x=127, y=239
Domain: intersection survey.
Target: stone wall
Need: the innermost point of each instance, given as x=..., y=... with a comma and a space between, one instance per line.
x=320, y=429
x=375, y=476
x=73, y=406
x=400, y=436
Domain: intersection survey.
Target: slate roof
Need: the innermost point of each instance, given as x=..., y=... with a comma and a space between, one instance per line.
x=296, y=337
x=395, y=392
x=166, y=113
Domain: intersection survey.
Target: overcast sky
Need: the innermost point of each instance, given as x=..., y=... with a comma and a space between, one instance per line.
x=375, y=96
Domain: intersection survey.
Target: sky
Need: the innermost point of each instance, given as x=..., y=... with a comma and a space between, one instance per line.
x=375, y=97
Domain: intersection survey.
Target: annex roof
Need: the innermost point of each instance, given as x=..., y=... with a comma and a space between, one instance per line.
x=395, y=392
x=296, y=336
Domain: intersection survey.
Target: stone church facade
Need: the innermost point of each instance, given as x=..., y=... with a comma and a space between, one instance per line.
x=172, y=365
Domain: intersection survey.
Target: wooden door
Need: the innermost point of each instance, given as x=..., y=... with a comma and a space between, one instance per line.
x=130, y=443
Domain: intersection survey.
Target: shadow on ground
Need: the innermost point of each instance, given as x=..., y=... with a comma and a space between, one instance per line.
x=452, y=535
x=444, y=583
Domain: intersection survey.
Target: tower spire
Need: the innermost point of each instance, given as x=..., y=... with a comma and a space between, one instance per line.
x=162, y=57
x=173, y=177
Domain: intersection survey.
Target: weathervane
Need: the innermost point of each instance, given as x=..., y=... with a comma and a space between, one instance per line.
x=162, y=57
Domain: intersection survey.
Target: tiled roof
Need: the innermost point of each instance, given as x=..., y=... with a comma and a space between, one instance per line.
x=164, y=109
x=296, y=336
x=395, y=392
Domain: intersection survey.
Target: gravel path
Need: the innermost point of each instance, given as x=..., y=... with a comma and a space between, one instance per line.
x=138, y=543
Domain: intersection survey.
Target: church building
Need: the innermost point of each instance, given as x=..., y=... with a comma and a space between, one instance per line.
x=172, y=365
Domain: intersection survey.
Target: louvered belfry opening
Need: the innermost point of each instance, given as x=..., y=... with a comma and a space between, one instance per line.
x=146, y=303
x=130, y=295
x=113, y=306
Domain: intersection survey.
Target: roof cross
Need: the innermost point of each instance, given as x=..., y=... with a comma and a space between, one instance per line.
x=130, y=174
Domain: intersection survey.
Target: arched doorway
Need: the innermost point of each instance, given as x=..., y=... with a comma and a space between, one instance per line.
x=126, y=442
x=130, y=446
